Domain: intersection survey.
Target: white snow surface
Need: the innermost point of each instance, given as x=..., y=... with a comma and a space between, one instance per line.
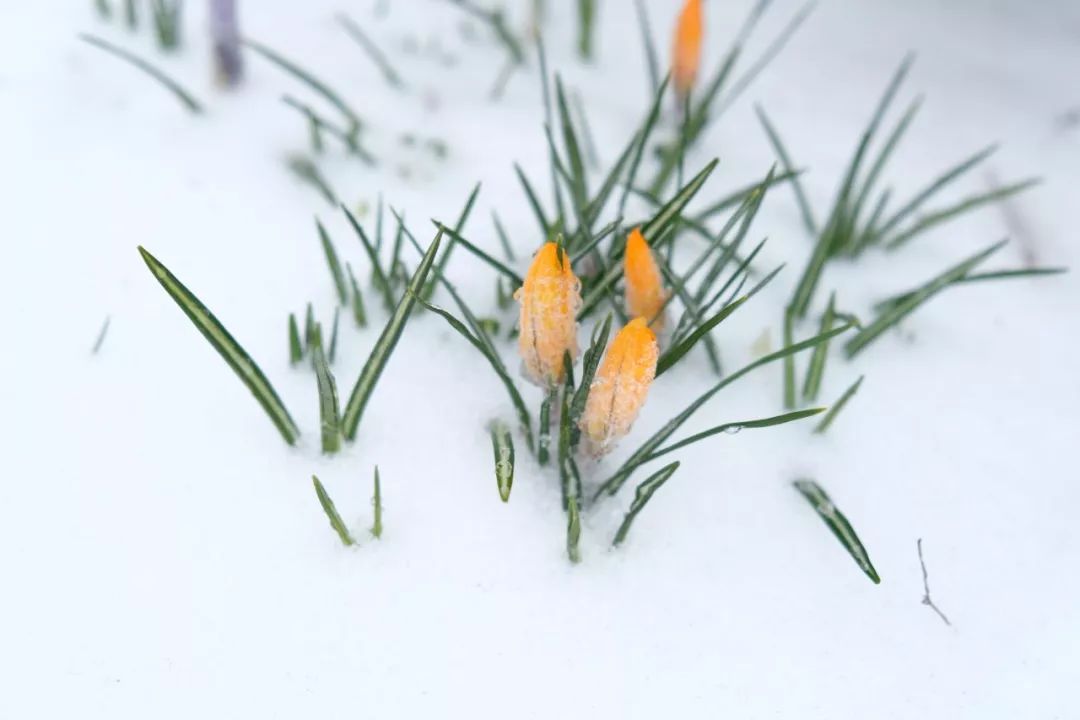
x=163, y=553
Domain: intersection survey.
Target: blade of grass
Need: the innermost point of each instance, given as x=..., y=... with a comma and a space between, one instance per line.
x=642, y=494
x=948, y=213
x=673, y=354
x=534, y=202
x=838, y=406
x=735, y=427
x=816, y=371
x=492, y=262
x=332, y=352
x=305, y=169
x=230, y=350
x=838, y=524
x=458, y=227
x=370, y=49
x=502, y=443
x=186, y=99
x=296, y=349
x=101, y=335
x=573, y=147
x=380, y=354
x=503, y=239
x=328, y=400
x=376, y=504
x=543, y=440
x=789, y=168
x=616, y=481
x=590, y=361
x=642, y=140
x=573, y=531
x=652, y=62
x=382, y=283
x=359, y=313
x=893, y=315
x=332, y=514
x=333, y=263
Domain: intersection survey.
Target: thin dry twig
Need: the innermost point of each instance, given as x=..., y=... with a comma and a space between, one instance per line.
x=926, y=587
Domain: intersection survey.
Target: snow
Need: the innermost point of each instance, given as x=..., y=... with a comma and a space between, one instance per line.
x=163, y=551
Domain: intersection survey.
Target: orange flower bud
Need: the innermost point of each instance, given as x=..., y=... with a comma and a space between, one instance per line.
x=645, y=296
x=686, y=54
x=621, y=384
x=549, y=299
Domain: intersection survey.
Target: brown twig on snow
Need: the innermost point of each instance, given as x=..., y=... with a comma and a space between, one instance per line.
x=926, y=587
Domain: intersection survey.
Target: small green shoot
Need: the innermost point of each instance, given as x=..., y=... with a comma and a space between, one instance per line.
x=381, y=281
x=359, y=313
x=642, y=495
x=186, y=99
x=384, y=347
x=816, y=371
x=502, y=444
x=230, y=350
x=332, y=514
x=376, y=504
x=838, y=406
x=333, y=263
x=841, y=528
x=296, y=348
x=543, y=441
x=329, y=419
x=573, y=530
x=101, y=335
x=371, y=50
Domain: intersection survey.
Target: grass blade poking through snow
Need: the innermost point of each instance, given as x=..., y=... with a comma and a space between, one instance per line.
x=816, y=370
x=371, y=50
x=502, y=443
x=838, y=406
x=642, y=495
x=380, y=354
x=734, y=427
x=381, y=281
x=101, y=335
x=328, y=399
x=332, y=514
x=333, y=263
x=296, y=349
x=841, y=528
x=234, y=355
x=376, y=504
x=186, y=99
x=573, y=530
x=359, y=313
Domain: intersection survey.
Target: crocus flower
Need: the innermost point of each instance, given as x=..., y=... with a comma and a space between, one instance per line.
x=686, y=51
x=645, y=295
x=621, y=384
x=549, y=299
x=226, y=38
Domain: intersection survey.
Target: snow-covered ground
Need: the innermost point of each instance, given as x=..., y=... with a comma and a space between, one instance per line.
x=163, y=554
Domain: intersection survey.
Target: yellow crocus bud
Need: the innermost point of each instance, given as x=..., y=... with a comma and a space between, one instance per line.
x=550, y=299
x=621, y=384
x=686, y=50
x=645, y=295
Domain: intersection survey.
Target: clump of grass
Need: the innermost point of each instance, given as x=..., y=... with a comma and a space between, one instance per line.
x=186, y=98
x=226, y=346
x=838, y=524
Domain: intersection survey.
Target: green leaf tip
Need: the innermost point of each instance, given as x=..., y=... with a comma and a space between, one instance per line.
x=332, y=515
x=838, y=523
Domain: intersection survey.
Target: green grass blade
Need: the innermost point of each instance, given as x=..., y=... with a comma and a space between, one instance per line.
x=376, y=504
x=641, y=140
x=838, y=406
x=329, y=419
x=816, y=371
x=231, y=352
x=652, y=62
x=952, y=211
x=895, y=313
x=740, y=196
x=543, y=440
x=440, y=267
x=1012, y=274
x=504, y=240
x=101, y=336
x=370, y=49
x=883, y=158
x=359, y=312
x=492, y=262
x=673, y=354
x=306, y=170
x=839, y=525
x=332, y=352
x=671, y=211
x=502, y=443
x=572, y=145
x=534, y=202
x=569, y=480
x=939, y=183
x=332, y=514
x=642, y=495
x=380, y=354
x=309, y=327
x=590, y=361
x=496, y=365
x=616, y=481
x=186, y=99
x=296, y=348
x=382, y=282
x=789, y=361
x=310, y=80
x=735, y=427
x=789, y=169
x=573, y=531
x=333, y=263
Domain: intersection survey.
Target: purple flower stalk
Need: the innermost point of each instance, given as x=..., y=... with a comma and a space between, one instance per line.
x=225, y=32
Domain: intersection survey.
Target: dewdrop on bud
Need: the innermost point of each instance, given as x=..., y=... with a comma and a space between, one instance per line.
x=686, y=50
x=549, y=299
x=621, y=384
x=645, y=295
